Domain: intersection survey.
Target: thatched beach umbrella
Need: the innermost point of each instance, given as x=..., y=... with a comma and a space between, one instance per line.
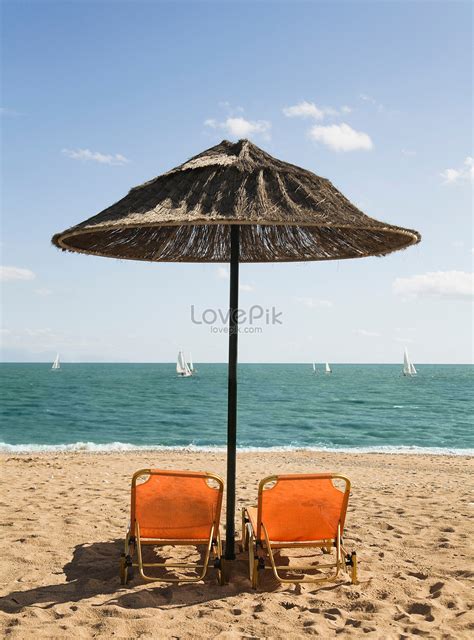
x=234, y=203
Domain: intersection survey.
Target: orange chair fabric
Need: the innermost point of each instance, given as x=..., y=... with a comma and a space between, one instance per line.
x=175, y=505
x=302, y=508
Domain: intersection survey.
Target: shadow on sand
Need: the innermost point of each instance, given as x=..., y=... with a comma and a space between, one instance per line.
x=94, y=571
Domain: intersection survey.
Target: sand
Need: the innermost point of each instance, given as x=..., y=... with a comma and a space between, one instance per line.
x=63, y=517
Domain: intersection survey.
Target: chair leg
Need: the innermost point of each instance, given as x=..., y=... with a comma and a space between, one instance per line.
x=354, y=568
x=255, y=574
x=126, y=569
x=252, y=555
x=219, y=562
x=123, y=569
x=244, y=543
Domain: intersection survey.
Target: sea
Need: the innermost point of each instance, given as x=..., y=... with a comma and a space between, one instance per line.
x=116, y=407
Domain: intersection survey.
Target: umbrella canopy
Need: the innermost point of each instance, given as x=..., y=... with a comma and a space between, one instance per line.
x=234, y=203
x=286, y=214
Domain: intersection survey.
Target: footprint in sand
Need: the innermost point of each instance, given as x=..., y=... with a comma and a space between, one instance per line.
x=421, y=609
x=353, y=623
x=435, y=589
x=332, y=614
x=418, y=574
x=462, y=573
x=363, y=605
x=399, y=617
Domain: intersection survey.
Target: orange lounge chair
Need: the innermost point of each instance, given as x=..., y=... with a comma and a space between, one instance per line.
x=298, y=511
x=173, y=508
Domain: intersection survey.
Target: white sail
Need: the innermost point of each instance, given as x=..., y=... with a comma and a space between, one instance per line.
x=182, y=368
x=314, y=367
x=56, y=363
x=408, y=367
x=190, y=363
x=328, y=368
x=406, y=364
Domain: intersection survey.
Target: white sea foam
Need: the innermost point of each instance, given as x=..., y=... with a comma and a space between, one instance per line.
x=114, y=447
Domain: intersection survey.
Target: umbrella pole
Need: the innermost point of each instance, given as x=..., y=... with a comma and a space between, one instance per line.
x=232, y=392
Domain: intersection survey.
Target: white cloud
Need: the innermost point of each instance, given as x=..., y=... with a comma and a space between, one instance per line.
x=231, y=110
x=307, y=109
x=239, y=127
x=35, y=333
x=369, y=99
x=95, y=156
x=5, y=111
x=367, y=334
x=314, y=303
x=223, y=273
x=40, y=340
x=341, y=137
x=450, y=175
x=7, y=274
x=436, y=284
x=304, y=109
x=461, y=174
x=43, y=292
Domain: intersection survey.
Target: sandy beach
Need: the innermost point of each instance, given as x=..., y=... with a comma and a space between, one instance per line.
x=63, y=517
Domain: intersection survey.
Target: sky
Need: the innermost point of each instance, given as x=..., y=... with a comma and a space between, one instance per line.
x=100, y=96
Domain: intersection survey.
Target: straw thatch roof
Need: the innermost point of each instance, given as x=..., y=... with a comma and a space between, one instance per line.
x=286, y=213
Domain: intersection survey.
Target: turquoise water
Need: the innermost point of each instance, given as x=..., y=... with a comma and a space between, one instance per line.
x=116, y=406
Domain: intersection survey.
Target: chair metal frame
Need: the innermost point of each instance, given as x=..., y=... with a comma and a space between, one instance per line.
x=134, y=540
x=259, y=546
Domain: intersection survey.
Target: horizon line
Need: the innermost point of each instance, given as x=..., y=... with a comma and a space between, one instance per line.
x=173, y=363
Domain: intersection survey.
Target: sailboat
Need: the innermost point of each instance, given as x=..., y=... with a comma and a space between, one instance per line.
x=182, y=367
x=56, y=363
x=191, y=365
x=408, y=367
x=314, y=367
x=327, y=368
